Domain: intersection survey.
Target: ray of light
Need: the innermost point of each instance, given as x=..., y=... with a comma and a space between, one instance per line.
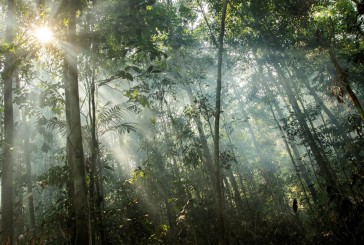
x=43, y=34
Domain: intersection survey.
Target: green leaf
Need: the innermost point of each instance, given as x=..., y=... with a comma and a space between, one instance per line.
x=150, y=69
x=152, y=120
x=135, y=68
x=144, y=101
x=65, y=21
x=108, y=167
x=134, y=94
x=121, y=74
x=129, y=76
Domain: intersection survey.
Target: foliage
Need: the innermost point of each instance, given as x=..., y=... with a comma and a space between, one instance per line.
x=146, y=79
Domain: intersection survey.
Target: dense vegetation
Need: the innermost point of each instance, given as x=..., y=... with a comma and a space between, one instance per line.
x=182, y=122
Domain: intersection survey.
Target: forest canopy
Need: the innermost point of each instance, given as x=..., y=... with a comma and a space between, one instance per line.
x=182, y=122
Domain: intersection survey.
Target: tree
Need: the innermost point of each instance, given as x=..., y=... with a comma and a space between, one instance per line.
x=329, y=28
x=8, y=160
x=74, y=138
x=220, y=196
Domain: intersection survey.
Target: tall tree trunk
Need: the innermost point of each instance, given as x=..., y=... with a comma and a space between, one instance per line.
x=341, y=131
x=341, y=77
x=304, y=170
x=267, y=171
x=325, y=169
x=344, y=80
x=70, y=186
x=95, y=174
x=8, y=162
x=206, y=156
x=219, y=185
x=96, y=198
x=202, y=136
x=234, y=183
x=305, y=174
x=74, y=138
x=267, y=168
x=295, y=166
x=317, y=99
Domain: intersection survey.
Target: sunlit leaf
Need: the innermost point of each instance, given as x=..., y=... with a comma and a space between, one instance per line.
x=135, y=93
x=65, y=21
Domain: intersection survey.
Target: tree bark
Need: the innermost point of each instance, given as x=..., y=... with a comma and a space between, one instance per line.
x=219, y=185
x=96, y=188
x=74, y=138
x=7, y=222
x=343, y=79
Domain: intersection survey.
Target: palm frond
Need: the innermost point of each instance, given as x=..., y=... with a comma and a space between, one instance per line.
x=113, y=119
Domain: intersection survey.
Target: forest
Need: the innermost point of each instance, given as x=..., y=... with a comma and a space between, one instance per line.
x=182, y=122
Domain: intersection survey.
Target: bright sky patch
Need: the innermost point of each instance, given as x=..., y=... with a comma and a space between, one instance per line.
x=44, y=35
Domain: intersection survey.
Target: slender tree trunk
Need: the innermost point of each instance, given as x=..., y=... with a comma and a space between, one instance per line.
x=205, y=147
x=29, y=185
x=326, y=171
x=219, y=185
x=341, y=131
x=234, y=183
x=96, y=198
x=267, y=168
x=8, y=162
x=206, y=156
x=305, y=173
x=341, y=76
x=166, y=190
x=343, y=79
x=74, y=138
x=70, y=186
x=95, y=174
x=296, y=168
x=317, y=99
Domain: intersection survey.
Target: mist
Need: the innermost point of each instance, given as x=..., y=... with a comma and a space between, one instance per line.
x=181, y=122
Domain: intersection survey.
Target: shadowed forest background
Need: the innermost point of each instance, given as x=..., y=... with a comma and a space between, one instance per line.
x=182, y=122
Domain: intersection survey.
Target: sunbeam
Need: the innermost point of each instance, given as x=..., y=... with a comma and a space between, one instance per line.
x=44, y=35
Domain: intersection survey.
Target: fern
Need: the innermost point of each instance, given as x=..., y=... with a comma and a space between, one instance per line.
x=113, y=119
x=56, y=124
x=53, y=123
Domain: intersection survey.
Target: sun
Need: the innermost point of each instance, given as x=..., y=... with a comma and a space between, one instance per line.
x=43, y=34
